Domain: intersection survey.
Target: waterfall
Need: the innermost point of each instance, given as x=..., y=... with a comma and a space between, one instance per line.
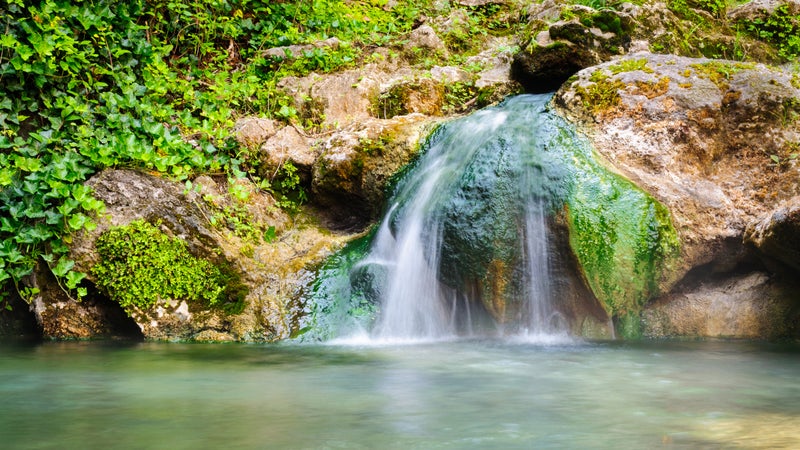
x=425, y=291
x=506, y=225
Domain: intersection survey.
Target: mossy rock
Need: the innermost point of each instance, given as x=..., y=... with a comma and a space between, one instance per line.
x=140, y=265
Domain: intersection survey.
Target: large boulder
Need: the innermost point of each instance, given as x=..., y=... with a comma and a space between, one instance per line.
x=238, y=232
x=710, y=139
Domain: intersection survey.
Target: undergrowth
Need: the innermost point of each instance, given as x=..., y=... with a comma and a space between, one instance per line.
x=153, y=85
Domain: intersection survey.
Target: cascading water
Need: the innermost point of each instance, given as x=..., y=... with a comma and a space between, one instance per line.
x=467, y=245
x=425, y=293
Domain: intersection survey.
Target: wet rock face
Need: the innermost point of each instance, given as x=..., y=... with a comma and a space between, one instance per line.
x=709, y=140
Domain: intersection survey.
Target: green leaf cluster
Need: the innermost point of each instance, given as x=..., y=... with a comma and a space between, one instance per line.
x=141, y=265
x=153, y=85
x=781, y=29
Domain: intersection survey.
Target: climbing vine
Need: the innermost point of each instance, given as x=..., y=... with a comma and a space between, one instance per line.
x=147, y=84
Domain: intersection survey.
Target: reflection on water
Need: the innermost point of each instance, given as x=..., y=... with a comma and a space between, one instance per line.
x=459, y=394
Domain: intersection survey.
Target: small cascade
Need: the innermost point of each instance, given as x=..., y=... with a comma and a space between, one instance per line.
x=542, y=320
x=417, y=300
x=507, y=225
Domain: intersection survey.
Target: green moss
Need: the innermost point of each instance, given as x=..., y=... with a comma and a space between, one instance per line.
x=606, y=21
x=140, y=265
x=629, y=326
x=630, y=65
x=720, y=72
x=622, y=238
x=601, y=95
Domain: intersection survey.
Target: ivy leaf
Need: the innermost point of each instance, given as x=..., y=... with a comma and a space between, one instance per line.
x=74, y=278
x=24, y=52
x=63, y=267
x=6, y=176
x=77, y=221
x=27, y=164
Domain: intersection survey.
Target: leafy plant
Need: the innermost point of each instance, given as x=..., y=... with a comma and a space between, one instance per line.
x=147, y=84
x=781, y=29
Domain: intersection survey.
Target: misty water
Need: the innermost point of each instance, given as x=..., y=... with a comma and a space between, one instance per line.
x=464, y=394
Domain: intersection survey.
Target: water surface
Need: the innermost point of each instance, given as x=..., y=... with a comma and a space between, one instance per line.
x=478, y=394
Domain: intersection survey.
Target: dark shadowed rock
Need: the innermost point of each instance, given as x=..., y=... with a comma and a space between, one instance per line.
x=778, y=233
x=556, y=53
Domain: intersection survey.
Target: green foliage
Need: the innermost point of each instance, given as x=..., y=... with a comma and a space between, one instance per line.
x=140, y=265
x=286, y=188
x=147, y=84
x=780, y=29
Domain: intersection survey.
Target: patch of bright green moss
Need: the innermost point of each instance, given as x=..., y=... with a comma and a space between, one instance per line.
x=622, y=237
x=630, y=65
x=602, y=94
x=720, y=72
x=140, y=265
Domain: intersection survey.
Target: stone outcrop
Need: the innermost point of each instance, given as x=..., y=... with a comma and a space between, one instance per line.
x=356, y=165
x=205, y=217
x=555, y=51
x=755, y=306
x=710, y=139
x=777, y=235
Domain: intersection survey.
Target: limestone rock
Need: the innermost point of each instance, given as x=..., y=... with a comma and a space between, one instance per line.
x=425, y=40
x=752, y=306
x=697, y=135
x=287, y=145
x=778, y=233
x=424, y=96
x=344, y=98
x=251, y=132
x=292, y=51
x=357, y=163
x=762, y=9
x=204, y=217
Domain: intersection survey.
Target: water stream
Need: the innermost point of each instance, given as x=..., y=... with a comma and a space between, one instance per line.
x=465, y=240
